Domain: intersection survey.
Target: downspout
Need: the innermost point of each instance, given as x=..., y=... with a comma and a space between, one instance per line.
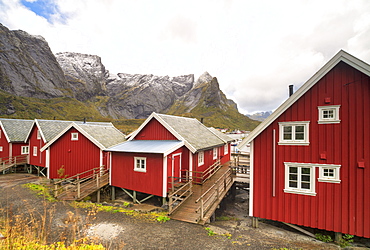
x=165, y=178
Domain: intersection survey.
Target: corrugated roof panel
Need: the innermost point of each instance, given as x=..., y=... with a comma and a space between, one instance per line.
x=145, y=146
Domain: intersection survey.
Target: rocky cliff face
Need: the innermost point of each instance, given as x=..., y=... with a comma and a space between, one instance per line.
x=85, y=74
x=28, y=67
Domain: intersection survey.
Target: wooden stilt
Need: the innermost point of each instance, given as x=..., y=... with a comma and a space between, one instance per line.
x=113, y=193
x=337, y=237
x=254, y=222
x=164, y=201
x=98, y=196
x=134, y=196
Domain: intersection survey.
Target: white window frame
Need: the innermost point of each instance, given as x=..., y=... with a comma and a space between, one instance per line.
x=25, y=150
x=299, y=189
x=38, y=135
x=226, y=149
x=1, y=148
x=140, y=161
x=293, y=140
x=326, y=120
x=215, y=153
x=74, y=136
x=200, y=158
x=324, y=175
x=34, y=151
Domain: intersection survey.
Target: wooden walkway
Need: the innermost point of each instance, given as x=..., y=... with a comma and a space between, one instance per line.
x=200, y=206
x=8, y=162
x=76, y=188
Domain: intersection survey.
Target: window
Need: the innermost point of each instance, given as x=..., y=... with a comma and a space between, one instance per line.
x=329, y=173
x=299, y=178
x=34, y=151
x=24, y=150
x=294, y=133
x=226, y=149
x=140, y=164
x=214, y=153
x=38, y=135
x=74, y=137
x=329, y=114
x=200, y=158
x=1, y=148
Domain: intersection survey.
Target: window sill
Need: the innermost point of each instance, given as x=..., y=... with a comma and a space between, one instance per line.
x=329, y=180
x=329, y=122
x=140, y=170
x=290, y=191
x=294, y=143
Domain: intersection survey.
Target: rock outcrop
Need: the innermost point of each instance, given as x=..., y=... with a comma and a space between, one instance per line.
x=28, y=68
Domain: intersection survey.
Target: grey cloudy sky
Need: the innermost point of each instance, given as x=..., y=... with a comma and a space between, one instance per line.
x=254, y=48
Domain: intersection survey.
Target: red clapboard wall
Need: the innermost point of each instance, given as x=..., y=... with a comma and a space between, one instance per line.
x=340, y=207
x=74, y=156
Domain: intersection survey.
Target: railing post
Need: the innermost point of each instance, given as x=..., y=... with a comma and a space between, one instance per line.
x=55, y=190
x=201, y=209
x=78, y=187
x=172, y=184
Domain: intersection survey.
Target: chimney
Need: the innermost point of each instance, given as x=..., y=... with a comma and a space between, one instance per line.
x=291, y=90
x=84, y=120
x=201, y=120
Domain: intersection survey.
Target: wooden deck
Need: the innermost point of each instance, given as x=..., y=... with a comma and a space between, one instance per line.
x=205, y=198
x=8, y=162
x=76, y=188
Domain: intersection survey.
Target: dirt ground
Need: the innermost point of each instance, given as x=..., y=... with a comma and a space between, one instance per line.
x=120, y=231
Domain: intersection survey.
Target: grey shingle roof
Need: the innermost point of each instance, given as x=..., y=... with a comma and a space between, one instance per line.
x=52, y=128
x=221, y=135
x=106, y=135
x=193, y=131
x=16, y=130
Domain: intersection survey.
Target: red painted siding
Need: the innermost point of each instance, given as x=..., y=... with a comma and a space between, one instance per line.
x=39, y=159
x=4, y=143
x=340, y=207
x=124, y=176
x=75, y=156
x=17, y=148
x=154, y=131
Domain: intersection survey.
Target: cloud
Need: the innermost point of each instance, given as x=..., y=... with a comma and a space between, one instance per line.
x=254, y=48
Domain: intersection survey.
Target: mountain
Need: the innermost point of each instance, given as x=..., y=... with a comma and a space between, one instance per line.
x=34, y=83
x=260, y=116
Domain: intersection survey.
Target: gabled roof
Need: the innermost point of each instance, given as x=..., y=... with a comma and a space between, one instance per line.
x=221, y=135
x=15, y=130
x=144, y=146
x=51, y=128
x=103, y=135
x=341, y=56
x=192, y=132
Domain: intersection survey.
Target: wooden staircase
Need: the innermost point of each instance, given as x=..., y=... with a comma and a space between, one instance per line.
x=8, y=162
x=205, y=198
x=81, y=185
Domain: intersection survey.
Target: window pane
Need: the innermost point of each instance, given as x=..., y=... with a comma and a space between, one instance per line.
x=305, y=185
x=299, y=132
x=287, y=132
x=305, y=178
x=293, y=170
x=293, y=177
x=306, y=170
x=293, y=184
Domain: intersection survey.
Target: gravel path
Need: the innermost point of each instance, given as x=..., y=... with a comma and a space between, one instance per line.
x=117, y=230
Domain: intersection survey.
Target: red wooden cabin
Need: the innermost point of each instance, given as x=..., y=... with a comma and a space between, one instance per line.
x=310, y=160
x=162, y=149
x=13, y=133
x=66, y=148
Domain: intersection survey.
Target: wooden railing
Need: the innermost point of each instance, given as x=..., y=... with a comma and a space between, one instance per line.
x=176, y=197
x=243, y=170
x=201, y=177
x=83, y=183
x=7, y=162
x=215, y=193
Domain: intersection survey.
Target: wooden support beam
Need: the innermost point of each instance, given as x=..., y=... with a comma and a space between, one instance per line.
x=254, y=222
x=98, y=196
x=113, y=193
x=337, y=237
x=301, y=230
